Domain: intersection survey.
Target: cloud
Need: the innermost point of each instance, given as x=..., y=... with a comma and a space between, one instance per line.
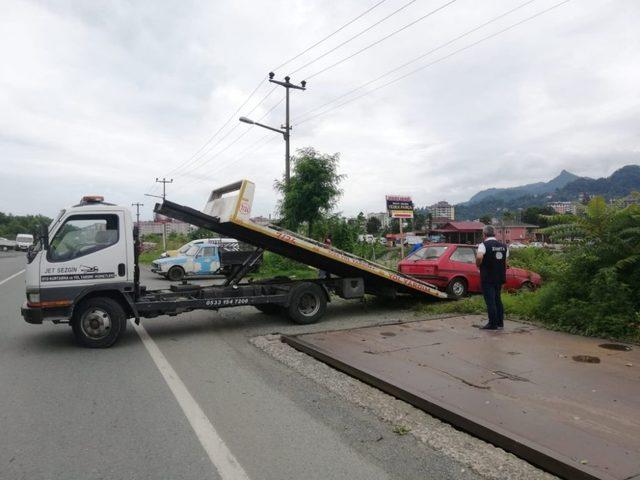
x=105, y=97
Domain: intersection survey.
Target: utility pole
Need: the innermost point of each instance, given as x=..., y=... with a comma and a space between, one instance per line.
x=287, y=126
x=164, y=182
x=137, y=205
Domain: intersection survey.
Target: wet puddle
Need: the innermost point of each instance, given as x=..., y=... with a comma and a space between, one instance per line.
x=615, y=346
x=586, y=358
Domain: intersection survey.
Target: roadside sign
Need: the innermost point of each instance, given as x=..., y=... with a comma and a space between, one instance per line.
x=399, y=207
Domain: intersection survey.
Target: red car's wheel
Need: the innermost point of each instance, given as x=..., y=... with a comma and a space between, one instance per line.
x=457, y=288
x=527, y=287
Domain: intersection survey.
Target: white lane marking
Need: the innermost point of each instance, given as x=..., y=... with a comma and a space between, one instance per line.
x=221, y=457
x=12, y=276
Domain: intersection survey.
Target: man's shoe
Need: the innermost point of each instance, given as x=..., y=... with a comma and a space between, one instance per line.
x=500, y=327
x=488, y=326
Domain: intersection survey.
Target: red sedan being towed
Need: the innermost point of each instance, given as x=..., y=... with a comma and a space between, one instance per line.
x=453, y=268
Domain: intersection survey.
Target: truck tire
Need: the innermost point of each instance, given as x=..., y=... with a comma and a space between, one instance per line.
x=307, y=303
x=457, y=288
x=98, y=322
x=270, y=308
x=175, y=273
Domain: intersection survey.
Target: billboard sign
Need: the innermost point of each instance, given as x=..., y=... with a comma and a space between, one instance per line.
x=399, y=206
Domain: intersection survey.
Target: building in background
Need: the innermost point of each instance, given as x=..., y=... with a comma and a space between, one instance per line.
x=515, y=232
x=383, y=218
x=155, y=226
x=443, y=209
x=469, y=233
x=631, y=199
x=563, y=207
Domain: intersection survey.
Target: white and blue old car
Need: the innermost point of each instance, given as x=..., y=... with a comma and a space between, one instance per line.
x=203, y=259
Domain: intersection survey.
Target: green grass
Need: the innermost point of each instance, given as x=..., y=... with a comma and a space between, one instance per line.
x=520, y=304
x=173, y=243
x=528, y=306
x=274, y=265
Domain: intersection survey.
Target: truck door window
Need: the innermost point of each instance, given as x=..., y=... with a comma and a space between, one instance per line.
x=81, y=235
x=206, y=252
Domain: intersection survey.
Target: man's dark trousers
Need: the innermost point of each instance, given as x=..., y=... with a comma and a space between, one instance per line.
x=492, y=298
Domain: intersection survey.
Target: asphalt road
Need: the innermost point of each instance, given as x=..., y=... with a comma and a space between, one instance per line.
x=72, y=413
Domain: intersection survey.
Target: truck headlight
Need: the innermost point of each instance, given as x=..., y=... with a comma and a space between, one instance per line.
x=33, y=297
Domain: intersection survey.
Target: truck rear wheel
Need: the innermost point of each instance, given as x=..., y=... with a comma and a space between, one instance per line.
x=308, y=303
x=98, y=322
x=175, y=274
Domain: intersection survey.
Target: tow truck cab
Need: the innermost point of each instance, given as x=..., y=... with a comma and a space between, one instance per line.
x=87, y=252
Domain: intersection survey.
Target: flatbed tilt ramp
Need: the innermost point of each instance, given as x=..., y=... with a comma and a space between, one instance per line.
x=228, y=210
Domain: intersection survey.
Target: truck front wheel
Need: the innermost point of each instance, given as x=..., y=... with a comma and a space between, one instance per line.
x=98, y=322
x=308, y=303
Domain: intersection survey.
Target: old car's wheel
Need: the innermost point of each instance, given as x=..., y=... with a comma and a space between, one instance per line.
x=308, y=303
x=457, y=288
x=175, y=273
x=98, y=322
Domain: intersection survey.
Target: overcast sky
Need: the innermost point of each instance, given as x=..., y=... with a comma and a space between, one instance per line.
x=103, y=96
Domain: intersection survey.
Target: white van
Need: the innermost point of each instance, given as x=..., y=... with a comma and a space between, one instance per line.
x=24, y=241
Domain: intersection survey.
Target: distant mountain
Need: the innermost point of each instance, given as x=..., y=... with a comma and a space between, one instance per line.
x=619, y=184
x=539, y=188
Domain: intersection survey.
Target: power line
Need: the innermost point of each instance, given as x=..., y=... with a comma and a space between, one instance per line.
x=254, y=147
x=231, y=117
x=240, y=136
x=194, y=163
x=197, y=154
x=420, y=57
x=362, y=32
x=455, y=52
x=328, y=36
x=386, y=37
x=235, y=140
x=224, y=125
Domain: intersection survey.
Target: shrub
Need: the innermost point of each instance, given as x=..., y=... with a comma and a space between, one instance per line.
x=547, y=263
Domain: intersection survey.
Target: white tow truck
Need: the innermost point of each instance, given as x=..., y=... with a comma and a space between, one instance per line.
x=84, y=271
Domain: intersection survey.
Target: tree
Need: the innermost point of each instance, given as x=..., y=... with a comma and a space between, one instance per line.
x=533, y=215
x=419, y=220
x=313, y=189
x=486, y=219
x=373, y=225
x=507, y=216
x=11, y=225
x=361, y=221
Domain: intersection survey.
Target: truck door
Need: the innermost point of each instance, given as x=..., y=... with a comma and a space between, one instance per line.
x=87, y=248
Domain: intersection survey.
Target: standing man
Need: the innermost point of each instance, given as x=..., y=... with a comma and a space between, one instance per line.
x=492, y=260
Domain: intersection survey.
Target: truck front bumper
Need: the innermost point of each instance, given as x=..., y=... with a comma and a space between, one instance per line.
x=31, y=315
x=37, y=315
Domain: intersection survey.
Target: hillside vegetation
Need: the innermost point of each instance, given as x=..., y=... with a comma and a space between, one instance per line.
x=593, y=288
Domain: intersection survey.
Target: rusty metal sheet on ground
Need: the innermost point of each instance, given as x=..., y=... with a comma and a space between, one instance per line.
x=568, y=404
